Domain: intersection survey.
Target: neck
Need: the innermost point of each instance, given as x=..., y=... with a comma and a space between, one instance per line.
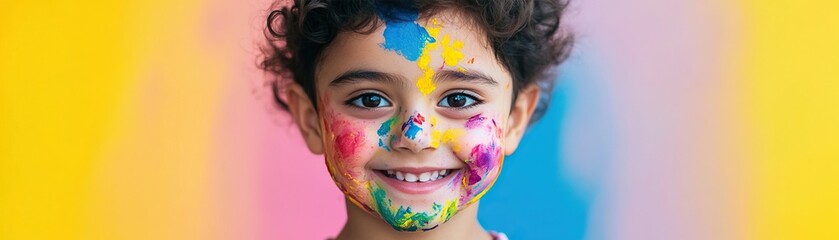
x=362, y=225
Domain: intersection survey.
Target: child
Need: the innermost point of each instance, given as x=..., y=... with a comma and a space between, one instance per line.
x=414, y=104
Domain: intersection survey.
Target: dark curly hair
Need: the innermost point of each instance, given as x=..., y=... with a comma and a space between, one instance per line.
x=525, y=36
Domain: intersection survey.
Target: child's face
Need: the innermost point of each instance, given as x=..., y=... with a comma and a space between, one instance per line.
x=413, y=118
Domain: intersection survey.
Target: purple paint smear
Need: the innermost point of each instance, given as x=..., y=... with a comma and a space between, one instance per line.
x=476, y=120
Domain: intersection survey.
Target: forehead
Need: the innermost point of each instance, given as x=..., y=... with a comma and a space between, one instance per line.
x=351, y=51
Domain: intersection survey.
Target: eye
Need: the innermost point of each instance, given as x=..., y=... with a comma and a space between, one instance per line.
x=369, y=100
x=458, y=100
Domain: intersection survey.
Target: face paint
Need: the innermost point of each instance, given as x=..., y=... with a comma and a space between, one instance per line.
x=425, y=83
x=363, y=154
x=346, y=138
x=474, y=121
x=413, y=126
x=384, y=131
x=402, y=34
x=403, y=218
x=451, y=52
x=485, y=159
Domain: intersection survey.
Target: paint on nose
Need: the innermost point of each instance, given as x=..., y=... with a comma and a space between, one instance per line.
x=413, y=126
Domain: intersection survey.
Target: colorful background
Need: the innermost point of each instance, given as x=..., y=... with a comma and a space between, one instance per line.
x=672, y=120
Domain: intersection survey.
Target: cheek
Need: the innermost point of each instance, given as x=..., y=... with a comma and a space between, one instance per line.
x=482, y=153
x=349, y=145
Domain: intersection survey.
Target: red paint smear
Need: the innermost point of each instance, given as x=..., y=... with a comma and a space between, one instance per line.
x=347, y=144
x=419, y=119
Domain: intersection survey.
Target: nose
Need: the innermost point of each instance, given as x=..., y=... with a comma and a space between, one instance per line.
x=415, y=134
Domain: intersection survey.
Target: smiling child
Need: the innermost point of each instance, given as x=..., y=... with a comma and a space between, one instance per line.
x=414, y=104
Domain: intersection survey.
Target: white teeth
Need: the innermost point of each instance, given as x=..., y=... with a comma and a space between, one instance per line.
x=410, y=177
x=424, y=177
x=421, y=177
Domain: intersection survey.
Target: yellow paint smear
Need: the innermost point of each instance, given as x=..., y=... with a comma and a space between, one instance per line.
x=425, y=83
x=451, y=52
x=448, y=136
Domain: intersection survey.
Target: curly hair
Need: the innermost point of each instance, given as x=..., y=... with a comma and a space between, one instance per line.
x=525, y=36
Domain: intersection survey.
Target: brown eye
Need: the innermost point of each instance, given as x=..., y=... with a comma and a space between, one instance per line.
x=458, y=100
x=369, y=100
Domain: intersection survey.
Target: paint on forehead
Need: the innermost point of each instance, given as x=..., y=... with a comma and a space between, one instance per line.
x=403, y=218
x=402, y=34
x=425, y=83
x=451, y=51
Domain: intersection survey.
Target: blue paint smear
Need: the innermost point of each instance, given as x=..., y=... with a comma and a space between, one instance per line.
x=402, y=34
x=382, y=145
x=383, y=132
x=536, y=197
x=413, y=128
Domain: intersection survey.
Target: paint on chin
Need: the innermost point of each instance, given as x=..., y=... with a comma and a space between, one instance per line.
x=404, y=218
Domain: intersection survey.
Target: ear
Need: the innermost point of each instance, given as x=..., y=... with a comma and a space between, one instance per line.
x=306, y=116
x=520, y=117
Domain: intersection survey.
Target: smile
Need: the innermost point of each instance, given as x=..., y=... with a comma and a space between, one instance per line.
x=417, y=180
x=421, y=177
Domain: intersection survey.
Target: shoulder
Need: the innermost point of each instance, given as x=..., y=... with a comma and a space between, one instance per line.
x=498, y=235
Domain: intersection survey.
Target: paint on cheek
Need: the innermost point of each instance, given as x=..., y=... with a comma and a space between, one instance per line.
x=348, y=137
x=413, y=126
x=481, y=161
x=384, y=131
x=403, y=218
x=475, y=121
x=348, y=143
x=402, y=34
x=449, y=136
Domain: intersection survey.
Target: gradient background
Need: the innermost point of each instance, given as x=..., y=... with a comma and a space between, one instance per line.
x=672, y=120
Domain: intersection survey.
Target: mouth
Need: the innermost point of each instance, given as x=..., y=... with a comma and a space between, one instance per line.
x=417, y=181
x=417, y=177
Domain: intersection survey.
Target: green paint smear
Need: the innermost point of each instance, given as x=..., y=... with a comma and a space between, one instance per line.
x=384, y=129
x=403, y=219
x=450, y=210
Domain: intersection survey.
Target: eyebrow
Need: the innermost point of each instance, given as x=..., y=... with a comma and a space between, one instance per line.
x=465, y=75
x=356, y=76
